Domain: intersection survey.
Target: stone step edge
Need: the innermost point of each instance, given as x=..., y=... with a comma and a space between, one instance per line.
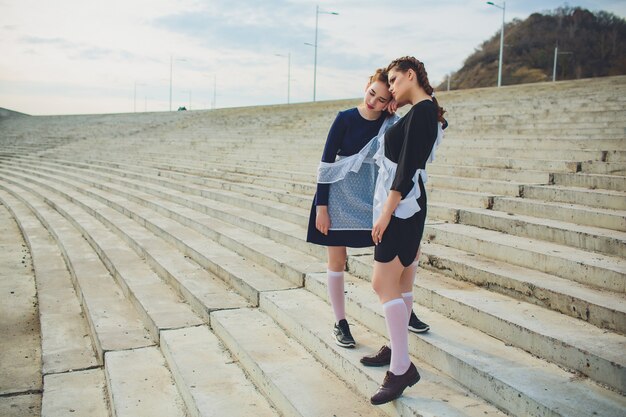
x=454, y=360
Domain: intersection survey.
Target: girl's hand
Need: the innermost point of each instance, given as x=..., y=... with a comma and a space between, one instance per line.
x=392, y=107
x=322, y=220
x=379, y=228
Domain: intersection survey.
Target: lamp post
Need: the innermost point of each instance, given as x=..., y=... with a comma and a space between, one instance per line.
x=171, y=68
x=503, y=7
x=317, y=14
x=556, y=54
x=288, y=56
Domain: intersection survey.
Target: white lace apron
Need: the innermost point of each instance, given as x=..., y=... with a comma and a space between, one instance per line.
x=352, y=181
x=386, y=174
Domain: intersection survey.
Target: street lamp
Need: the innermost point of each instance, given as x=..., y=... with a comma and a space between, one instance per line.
x=503, y=7
x=171, y=67
x=556, y=54
x=288, y=56
x=317, y=14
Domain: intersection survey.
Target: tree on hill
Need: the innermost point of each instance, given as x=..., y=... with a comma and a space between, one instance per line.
x=595, y=44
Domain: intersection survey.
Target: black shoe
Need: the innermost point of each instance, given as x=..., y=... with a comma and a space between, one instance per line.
x=416, y=325
x=394, y=385
x=380, y=358
x=342, y=334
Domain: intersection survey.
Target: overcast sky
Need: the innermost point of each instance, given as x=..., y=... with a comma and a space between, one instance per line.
x=87, y=56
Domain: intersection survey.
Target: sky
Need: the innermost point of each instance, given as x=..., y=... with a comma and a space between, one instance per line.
x=118, y=56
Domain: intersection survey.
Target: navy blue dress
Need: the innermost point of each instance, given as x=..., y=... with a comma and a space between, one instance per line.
x=349, y=133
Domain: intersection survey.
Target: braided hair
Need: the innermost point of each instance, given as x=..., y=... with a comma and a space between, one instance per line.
x=408, y=62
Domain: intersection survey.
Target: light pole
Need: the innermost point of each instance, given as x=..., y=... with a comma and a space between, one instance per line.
x=317, y=14
x=135, y=96
x=171, y=68
x=288, y=56
x=503, y=7
x=556, y=54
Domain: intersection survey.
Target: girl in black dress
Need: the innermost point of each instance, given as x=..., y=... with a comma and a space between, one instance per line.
x=400, y=213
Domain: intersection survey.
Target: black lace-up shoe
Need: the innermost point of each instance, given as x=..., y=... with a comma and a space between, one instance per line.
x=394, y=385
x=416, y=325
x=342, y=334
x=380, y=358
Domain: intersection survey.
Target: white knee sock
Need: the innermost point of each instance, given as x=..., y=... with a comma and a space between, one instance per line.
x=336, y=294
x=397, y=321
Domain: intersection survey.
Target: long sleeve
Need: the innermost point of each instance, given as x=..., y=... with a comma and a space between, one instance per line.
x=332, y=147
x=420, y=134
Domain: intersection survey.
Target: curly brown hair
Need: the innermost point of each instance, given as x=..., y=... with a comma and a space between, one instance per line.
x=409, y=62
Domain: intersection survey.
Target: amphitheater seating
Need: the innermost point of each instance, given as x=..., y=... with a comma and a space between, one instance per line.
x=173, y=278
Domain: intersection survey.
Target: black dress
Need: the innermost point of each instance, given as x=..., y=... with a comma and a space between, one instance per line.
x=408, y=143
x=347, y=136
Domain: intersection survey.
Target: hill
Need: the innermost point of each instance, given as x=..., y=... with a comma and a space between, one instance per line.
x=595, y=42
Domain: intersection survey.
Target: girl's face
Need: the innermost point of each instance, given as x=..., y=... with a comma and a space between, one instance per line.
x=401, y=84
x=377, y=96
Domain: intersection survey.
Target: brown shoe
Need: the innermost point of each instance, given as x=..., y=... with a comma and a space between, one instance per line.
x=380, y=358
x=394, y=385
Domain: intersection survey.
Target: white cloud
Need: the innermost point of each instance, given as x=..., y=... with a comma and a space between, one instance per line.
x=85, y=56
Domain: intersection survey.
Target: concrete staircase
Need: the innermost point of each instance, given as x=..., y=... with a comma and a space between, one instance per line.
x=171, y=276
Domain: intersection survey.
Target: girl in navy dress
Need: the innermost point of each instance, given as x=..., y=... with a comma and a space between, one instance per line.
x=349, y=133
x=400, y=212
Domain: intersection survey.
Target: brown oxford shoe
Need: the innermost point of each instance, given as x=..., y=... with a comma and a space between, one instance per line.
x=380, y=358
x=394, y=385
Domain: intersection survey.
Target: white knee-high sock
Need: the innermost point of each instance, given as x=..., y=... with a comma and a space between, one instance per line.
x=397, y=320
x=336, y=294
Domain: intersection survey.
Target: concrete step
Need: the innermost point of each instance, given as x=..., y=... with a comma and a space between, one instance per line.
x=309, y=320
x=26, y=405
x=525, y=176
x=527, y=326
x=534, y=142
x=605, y=168
x=556, y=154
x=65, y=342
x=114, y=323
x=593, y=181
x=571, y=213
x=207, y=377
x=601, y=308
x=78, y=393
x=498, y=187
x=253, y=247
x=593, y=239
x=602, y=199
x=139, y=384
x=293, y=380
x=503, y=162
x=20, y=344
x=272, y=228
x=159, y=307
x=247, y=277
x=597, y=270
x=482, y=363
